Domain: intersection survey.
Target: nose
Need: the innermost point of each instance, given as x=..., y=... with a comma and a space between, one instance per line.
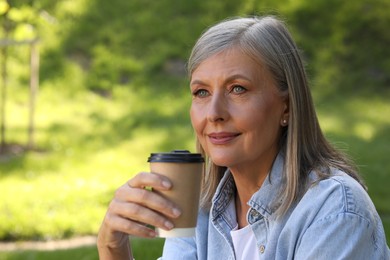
x=218, y=108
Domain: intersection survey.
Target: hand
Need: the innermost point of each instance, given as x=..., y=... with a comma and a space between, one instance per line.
x=134, y=207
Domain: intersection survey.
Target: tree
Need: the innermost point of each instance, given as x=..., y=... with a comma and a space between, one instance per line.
x=4, y=8
x=18, y=28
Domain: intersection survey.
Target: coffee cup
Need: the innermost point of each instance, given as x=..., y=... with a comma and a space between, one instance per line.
x=184, y=170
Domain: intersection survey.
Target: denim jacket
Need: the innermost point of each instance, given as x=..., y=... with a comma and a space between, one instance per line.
x=335, y=219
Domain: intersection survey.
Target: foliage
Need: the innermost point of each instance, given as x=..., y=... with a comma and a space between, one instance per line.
x=93, y=147
x=132, y=54
x=346, y=43
x=21, y=21
x=117, y=41
x=4, y=6
x=90, y=145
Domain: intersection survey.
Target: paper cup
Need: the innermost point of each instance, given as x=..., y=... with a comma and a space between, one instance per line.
x=184, y=170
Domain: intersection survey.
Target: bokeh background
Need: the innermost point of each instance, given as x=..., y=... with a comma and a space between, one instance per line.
x=113, y=88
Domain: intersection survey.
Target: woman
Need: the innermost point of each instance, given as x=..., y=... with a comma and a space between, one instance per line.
x=274, y=188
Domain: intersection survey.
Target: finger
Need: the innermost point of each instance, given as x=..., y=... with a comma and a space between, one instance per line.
x=140, y=214
x=128, y=226
x=154, y=180
x=148, y=199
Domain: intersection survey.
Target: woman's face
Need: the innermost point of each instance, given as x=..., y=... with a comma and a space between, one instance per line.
x=236, y=110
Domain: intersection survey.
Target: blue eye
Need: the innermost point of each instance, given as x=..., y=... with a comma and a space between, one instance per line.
x=201, y=93
x=238, y=89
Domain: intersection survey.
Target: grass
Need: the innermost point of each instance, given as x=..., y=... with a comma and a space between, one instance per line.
x=82, y=253
x=149, y=249
x=359, y=124
x=89, y=145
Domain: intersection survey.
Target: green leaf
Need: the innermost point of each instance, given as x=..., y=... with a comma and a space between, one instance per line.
x=24, y=31
x=25, y=13
x=4, y=6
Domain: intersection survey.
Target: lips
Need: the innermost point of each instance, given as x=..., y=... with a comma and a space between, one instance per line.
x=221, y=138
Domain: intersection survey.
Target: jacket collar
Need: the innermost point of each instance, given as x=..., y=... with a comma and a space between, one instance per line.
x=265, y=201
x=268, y=198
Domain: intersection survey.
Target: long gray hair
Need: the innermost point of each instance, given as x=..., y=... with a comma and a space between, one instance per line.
x=267, y=40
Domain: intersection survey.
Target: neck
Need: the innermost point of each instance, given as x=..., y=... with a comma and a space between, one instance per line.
x=245, y=189
x=248, y=180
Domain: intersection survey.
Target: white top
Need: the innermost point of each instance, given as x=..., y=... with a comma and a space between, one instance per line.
x=244, y=241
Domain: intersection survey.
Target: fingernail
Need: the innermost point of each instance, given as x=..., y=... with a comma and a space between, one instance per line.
x=166, y=184
x=176, y=212
x=168, y=225
x=152, y=234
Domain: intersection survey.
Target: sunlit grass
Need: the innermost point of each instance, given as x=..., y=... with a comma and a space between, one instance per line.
x=145, y=249
x=360, y=125
x=360, y=116
x=89, y=145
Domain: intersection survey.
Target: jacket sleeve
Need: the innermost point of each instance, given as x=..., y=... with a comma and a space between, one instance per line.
x=179, y=249
x=344, y=236
x=189, y=248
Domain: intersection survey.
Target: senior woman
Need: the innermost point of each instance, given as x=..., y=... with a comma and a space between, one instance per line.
x=273, y=187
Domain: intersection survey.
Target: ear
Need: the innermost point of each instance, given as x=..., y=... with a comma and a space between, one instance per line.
x=286, y=112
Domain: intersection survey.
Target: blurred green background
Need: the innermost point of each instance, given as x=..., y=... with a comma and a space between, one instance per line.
x=113, y=88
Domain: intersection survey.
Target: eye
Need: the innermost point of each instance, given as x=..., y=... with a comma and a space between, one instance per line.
x=237, y=89
x=200, y=93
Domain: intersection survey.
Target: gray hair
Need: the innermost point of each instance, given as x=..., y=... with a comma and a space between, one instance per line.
x=268, y=41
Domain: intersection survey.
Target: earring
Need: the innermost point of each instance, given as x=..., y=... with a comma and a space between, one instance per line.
x=284, y=122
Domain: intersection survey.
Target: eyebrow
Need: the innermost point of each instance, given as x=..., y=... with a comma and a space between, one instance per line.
x=229, y=79
x=197, y=82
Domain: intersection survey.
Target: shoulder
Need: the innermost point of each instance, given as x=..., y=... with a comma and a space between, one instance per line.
x=330, y=212
x=338, y=194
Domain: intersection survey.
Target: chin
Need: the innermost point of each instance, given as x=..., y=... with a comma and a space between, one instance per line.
x=223, y=161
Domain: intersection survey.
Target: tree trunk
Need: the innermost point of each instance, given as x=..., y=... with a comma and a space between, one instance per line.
x=34, y=83
x=4, y=55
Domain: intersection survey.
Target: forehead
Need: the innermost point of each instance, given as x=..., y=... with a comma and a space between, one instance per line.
x=230, y=61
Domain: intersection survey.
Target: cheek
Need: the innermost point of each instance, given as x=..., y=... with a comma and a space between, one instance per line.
x=267, y=124
x=262, y=119
x=196, y=120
